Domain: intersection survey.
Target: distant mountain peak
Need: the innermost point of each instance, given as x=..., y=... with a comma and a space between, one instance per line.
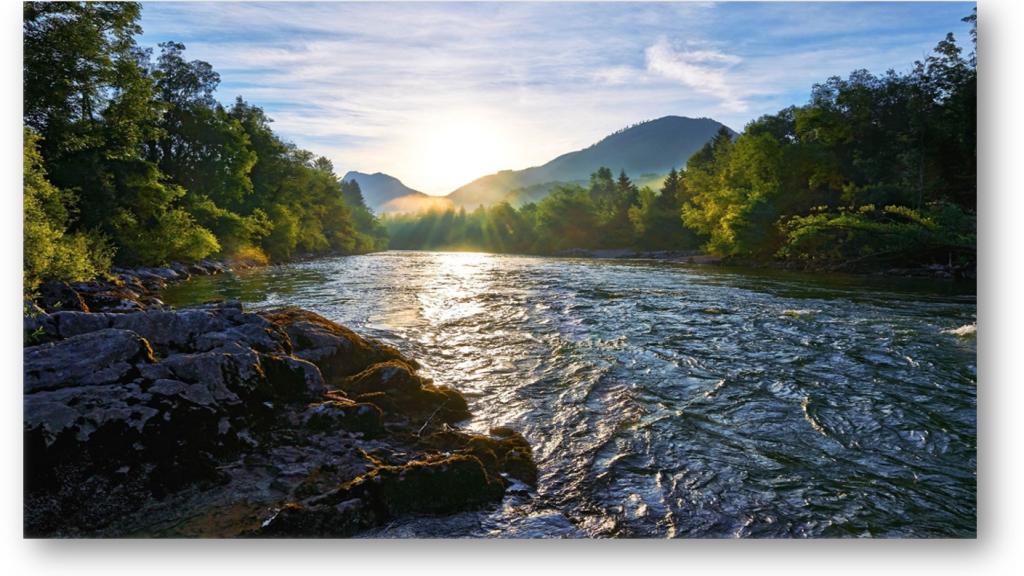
x=649, y=147
x=379, y=188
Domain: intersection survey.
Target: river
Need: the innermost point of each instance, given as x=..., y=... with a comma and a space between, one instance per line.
x=666, y=400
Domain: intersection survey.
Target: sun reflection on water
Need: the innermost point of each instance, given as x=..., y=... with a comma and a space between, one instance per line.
x=459, y=280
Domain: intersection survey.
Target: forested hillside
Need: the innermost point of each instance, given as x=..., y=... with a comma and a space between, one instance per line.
x=129, y=158
x=654, y=146
x=873, y=172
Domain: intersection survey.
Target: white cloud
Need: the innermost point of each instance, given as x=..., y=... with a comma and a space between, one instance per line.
x=618, y=75
x=702, y=70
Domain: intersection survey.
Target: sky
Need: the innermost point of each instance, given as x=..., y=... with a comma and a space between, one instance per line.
x=438, y=94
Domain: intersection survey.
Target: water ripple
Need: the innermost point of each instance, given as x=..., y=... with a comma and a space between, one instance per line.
x=674, y=401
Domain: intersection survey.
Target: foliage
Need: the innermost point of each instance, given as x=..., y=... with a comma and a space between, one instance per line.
x=867, y=236
x=134, y=158
x=49, y=251
x=803, y=184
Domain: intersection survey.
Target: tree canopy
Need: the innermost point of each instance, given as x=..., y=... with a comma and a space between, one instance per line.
x=132, y=159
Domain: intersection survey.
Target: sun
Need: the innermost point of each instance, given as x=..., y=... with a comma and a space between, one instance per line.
x=453, y=149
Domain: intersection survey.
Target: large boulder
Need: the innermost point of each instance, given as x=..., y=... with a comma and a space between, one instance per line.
x=114, y=300
x=503, y=452
x=167, y=331
x=53, y=296
x=396, y=388
x=231, y=377
x=93, y=454
x=331, y=415
x=77, y=412
x=95, y=358
x=179, y=330
x=433, y=486
x=336, y=350
x=293, y=379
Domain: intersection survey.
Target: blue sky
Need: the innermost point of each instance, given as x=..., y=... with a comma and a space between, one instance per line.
x=440, y=93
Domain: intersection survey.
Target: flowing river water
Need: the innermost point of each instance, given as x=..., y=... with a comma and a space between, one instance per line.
x=670, y=400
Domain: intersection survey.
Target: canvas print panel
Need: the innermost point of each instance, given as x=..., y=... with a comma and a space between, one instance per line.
x=500, y=270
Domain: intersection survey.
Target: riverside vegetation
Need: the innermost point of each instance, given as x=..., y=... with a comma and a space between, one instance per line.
x=873, y=173
x=130, y=160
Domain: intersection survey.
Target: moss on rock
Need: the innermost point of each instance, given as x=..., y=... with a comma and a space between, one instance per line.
x=394, y=387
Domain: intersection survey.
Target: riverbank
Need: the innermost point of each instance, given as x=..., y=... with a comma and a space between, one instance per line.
x=124, y=289
x=683, y=256
x=938, y=271
x=140, y=420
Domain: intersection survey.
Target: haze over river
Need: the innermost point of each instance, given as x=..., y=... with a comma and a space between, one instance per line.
x=671, y=400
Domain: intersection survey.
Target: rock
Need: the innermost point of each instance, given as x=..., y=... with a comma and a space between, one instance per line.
x=55, y=296
x=37, y=327
x=131, y=281
x=293, y=378
x=230, y=377
x=100, y=357
x=396, y=388
x=213, y=267
x=257, y=333
x=173, y=330
x=352, y=416
x=96, y=453
x=113, y=300
x=198, y=393
x=339, y=520
x=204, y=329
x=503, y=452
x=82, y=410
x=336, y=350
x=166, y=274
x=150, y=280
x=432, y=486
x=70, y=324
x=181, y=270
x=151, y=303
x=92, y=286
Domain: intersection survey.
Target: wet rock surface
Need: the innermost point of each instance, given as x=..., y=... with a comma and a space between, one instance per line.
x=214, y=421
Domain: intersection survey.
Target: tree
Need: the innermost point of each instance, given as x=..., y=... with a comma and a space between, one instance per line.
x=141, y=153
x=90, y=96
x=50, y=252
x=567, y=218
x=352, y=194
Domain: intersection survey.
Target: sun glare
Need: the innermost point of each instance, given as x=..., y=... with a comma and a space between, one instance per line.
x=454, y=149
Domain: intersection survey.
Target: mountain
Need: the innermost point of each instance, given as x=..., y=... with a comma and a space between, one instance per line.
x=383, y=193
x=652, y=147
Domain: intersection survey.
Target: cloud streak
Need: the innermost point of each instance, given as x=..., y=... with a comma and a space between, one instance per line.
x=705, y=71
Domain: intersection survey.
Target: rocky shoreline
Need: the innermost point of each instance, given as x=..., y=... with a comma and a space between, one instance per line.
x=214, y=421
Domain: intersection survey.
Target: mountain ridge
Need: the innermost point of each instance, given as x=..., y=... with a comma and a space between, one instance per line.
x=650, y=147
x=653, y=146
x=379, y=188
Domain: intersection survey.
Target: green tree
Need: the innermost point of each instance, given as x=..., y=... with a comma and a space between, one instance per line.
x=50, y=252
x=567, y=218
